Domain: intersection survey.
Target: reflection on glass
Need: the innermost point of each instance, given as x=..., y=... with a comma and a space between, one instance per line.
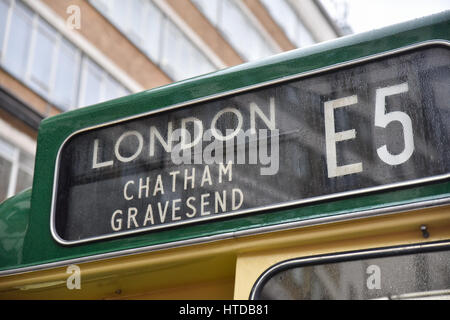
x=415, y=276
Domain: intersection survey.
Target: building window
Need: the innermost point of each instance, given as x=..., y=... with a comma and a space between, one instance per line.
x=44, y=44
x=236, y=27
x=37, y=54
x=157, y=36
x=210, y=9
x=112, y=88
x=153, y=29
x=285, y=16
x=67, y=72
x=16, y=169
x=97, y=85
x=180, y=59
x=92, y=80
x=304, y=37
x=18, y=42
x=241, y=33
x=3, y=17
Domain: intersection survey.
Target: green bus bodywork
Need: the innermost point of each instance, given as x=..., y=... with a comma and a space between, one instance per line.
x=25, y=238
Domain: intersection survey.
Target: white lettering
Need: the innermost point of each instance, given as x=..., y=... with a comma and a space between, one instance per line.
x=116, y=224
x=132, y=212
x=254, y=109
x=175, y=208
x=149, y=216
x=145, y=187
x=138, y=150
x=162, y=213
x=382, y=119
x=218, y=135
x=198, y=129
x=125, y=188
x=220, y=201
x=224, y=170
x=155, y=133
x=204, y=203
x=235, y=206
x=174, y=179
x=332, y=137
x=96, y=164
x=187, y=178
x=158, y=186
x=194, y=210
x=206, y=177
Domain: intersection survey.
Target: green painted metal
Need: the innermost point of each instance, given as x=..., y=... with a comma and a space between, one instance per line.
x=38, y=244
x=14, y=215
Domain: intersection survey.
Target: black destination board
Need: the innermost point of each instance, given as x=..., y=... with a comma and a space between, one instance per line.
x=377, y=124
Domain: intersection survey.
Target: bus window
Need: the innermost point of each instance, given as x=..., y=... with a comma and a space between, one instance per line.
x=379, y=274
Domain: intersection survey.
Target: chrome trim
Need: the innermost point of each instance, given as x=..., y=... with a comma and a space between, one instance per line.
x=61, y=241
x=342, y=257
x=237, y=234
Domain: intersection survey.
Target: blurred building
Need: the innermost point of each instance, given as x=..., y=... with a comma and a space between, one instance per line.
x=58, y=55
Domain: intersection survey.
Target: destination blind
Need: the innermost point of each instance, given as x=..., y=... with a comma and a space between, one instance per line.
x=377, y=124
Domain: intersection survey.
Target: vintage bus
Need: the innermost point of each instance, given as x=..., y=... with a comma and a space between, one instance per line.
x=320, y=173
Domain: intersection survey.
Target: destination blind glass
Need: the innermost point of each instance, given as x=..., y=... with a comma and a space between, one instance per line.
x=367, y=126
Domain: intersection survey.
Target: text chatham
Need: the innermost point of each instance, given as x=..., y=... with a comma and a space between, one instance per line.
x=173, y=210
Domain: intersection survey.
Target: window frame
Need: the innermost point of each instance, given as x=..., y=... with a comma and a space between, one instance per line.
x=348, y=256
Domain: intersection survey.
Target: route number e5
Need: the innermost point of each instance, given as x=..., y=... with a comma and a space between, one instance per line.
x=382, y=119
